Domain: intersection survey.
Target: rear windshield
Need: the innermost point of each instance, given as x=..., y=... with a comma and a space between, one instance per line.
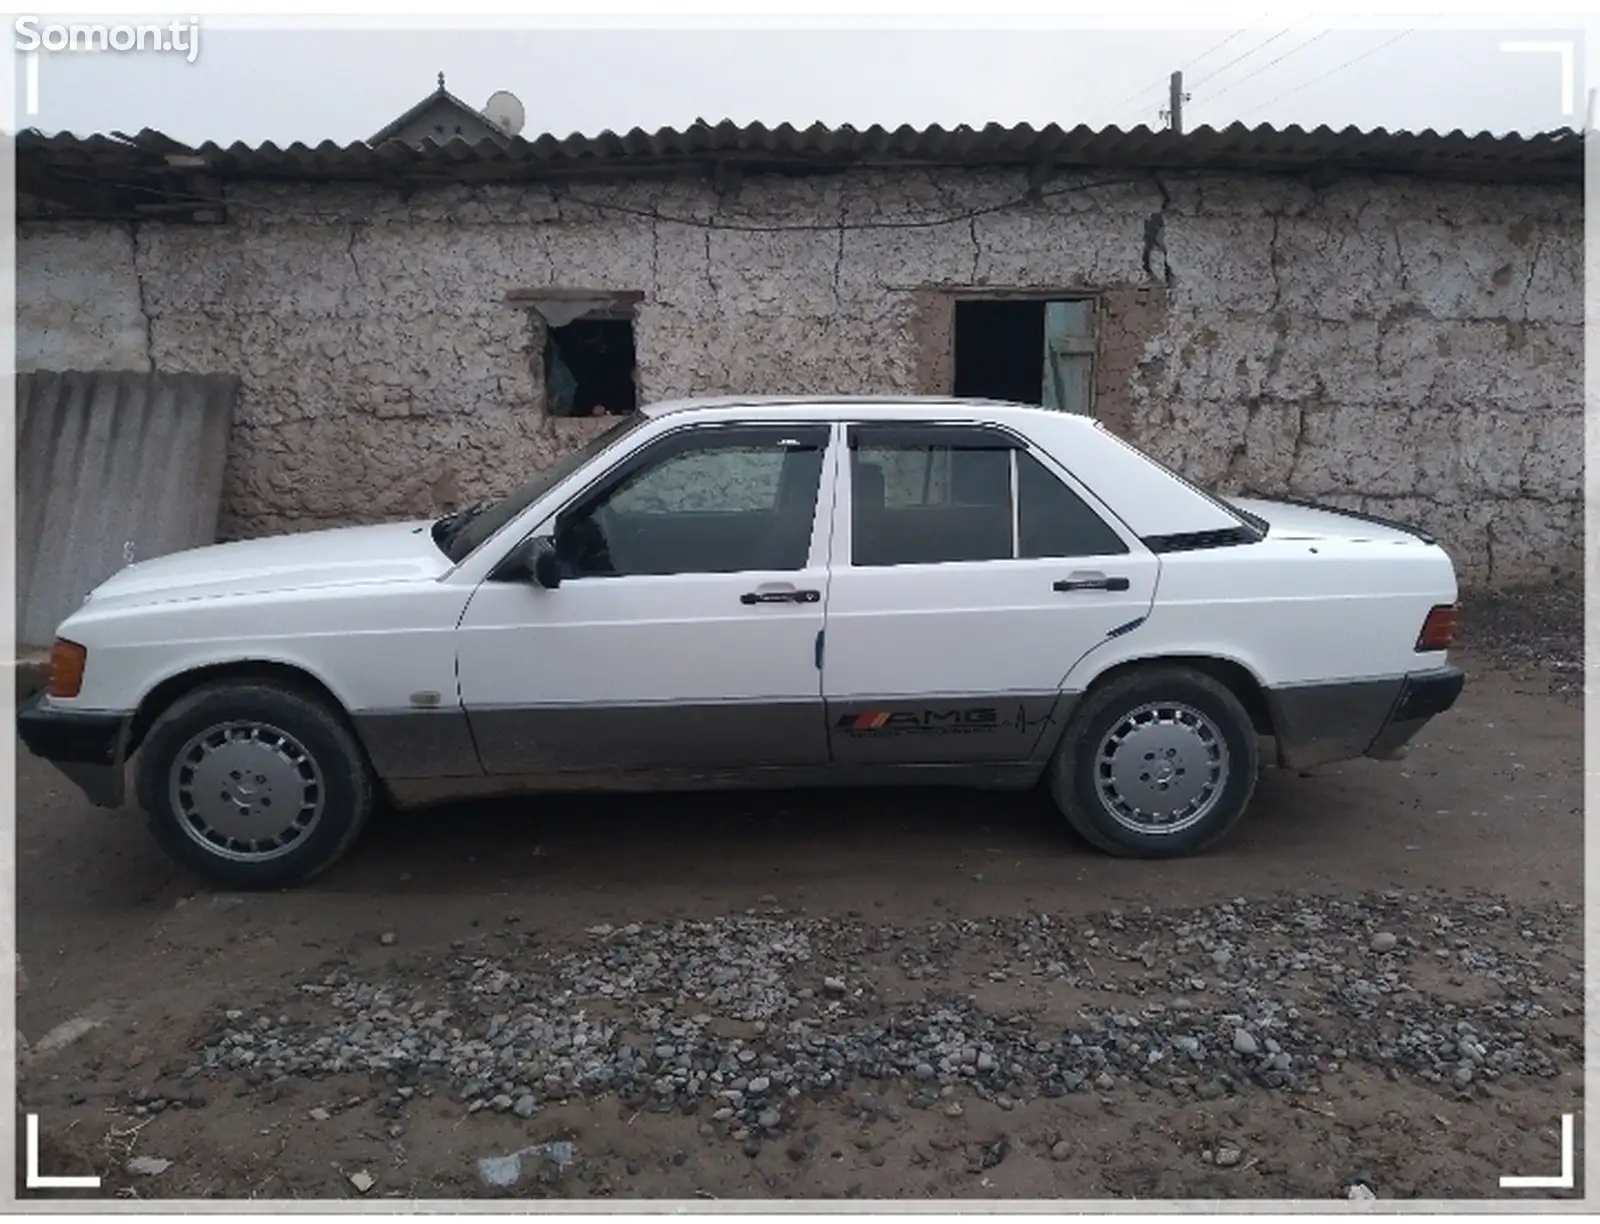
x=1254, y=522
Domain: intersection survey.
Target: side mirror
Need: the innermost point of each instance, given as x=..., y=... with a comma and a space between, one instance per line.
x=546, y=568
x=535, y=559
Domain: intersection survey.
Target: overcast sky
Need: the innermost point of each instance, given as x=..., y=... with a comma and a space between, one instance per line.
x=284, y=85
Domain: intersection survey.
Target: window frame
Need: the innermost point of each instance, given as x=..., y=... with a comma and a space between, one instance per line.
x=1044, y=298
x=927, y=433
x=679, y=441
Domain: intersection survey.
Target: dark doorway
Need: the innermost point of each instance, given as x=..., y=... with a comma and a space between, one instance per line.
x=589, y=368
x=1000, y=350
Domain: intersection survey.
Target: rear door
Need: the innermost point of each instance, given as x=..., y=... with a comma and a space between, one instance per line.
x=969, y=574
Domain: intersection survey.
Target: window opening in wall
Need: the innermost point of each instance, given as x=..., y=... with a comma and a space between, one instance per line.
x=1032, y=351
x=589, y=368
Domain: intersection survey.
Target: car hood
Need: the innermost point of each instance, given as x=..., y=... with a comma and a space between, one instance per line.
x=1300, y=521
x=389, y=552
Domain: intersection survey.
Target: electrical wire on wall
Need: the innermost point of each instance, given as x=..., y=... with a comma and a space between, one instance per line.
x=717, y=223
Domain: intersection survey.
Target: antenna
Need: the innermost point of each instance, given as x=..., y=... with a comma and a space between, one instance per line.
x=504, y=110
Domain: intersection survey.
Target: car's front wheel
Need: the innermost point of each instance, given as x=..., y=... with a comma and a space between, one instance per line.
x=253, y=785
x=1159, y=762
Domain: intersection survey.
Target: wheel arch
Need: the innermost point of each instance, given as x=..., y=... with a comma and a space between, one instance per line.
x=1238, y=678
x=292, y=676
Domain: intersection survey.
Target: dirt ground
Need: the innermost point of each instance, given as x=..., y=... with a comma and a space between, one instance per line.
x=1468, y=856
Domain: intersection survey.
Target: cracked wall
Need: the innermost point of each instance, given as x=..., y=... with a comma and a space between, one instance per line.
x=80, y=301
x=1409, y=348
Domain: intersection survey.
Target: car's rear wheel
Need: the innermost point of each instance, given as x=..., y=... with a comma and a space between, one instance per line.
x=253, y=785
x=1159, y=762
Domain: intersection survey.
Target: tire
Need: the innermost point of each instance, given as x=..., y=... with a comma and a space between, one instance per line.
x=259, y=743
x=1160, y=724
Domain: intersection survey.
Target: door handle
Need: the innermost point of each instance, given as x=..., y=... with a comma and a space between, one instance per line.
x=763, y=597
x=1097, y=583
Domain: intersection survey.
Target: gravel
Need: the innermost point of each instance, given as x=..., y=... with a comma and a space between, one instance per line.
x=737, y=1018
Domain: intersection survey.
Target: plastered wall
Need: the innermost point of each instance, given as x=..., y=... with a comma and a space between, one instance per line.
x=1411, y=348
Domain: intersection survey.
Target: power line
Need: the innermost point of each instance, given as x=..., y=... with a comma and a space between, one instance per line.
x=1209, y=51
x=1246, y=55
x=1215, y=47
x=1269, y=64
x=1340, y=68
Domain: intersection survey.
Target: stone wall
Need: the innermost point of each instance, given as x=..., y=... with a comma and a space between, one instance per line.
x=1410, y=348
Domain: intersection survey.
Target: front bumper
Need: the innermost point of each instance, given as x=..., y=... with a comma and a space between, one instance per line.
x=88, y=746
x=1323, y=723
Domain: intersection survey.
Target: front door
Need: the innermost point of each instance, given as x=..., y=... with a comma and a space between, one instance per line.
x=969, y=576
x=684, y=632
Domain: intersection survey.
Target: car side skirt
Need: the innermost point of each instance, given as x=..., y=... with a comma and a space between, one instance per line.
x=424, y=793
x=661, y=744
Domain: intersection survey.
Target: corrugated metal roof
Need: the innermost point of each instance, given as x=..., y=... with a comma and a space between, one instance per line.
x=1552, y=155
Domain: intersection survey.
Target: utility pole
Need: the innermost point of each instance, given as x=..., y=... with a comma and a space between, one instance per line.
x=1175, y=104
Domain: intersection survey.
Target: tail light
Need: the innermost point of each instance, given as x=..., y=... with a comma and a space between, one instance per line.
x=1439, y=629
x=66, y=669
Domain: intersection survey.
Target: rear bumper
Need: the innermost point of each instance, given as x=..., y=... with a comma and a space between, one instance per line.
x=1422, y=698
x=88, y=746
x=1322, y=723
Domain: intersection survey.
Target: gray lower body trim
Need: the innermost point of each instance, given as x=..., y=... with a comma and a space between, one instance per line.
x=419, y=743
x=421, y=793
x=1317, y=724
x=736, y=734
x=686, y=745
x=938, y=730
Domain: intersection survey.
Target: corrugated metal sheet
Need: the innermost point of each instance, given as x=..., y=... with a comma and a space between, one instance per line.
x=1557, y=155
x=110, y=463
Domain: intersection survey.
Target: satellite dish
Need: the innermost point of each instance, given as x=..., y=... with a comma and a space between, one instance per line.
x=504, y=110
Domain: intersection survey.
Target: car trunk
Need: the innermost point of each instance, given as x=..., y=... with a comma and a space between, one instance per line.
x=1290, y=520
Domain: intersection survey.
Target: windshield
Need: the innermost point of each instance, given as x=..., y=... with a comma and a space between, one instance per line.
x=461, y=532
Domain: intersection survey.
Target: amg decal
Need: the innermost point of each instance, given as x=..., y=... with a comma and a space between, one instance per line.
x=937, y=721
x=920, y=720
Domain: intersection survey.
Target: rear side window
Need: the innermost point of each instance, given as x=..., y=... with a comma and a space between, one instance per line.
x=923, y=495
x=921, y=505
x=1053, y=521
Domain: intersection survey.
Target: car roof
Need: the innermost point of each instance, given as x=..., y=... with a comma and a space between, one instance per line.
x=947, y=406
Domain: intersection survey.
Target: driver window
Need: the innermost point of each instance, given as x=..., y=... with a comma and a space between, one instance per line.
x=708, y=501
x=730, y=480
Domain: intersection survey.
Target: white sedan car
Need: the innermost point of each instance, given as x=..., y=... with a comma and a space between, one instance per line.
x=773, y=592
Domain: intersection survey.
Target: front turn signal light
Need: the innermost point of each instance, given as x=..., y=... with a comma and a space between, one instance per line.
x=66, y=669
x=1439, y=629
